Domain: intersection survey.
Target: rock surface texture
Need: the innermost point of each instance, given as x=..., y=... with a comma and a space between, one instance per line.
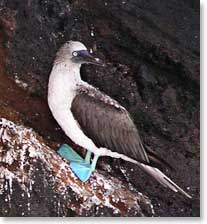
x=153, y=57
x=32, y=176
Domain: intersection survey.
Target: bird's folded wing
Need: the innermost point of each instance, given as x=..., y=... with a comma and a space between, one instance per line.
x=107, y=123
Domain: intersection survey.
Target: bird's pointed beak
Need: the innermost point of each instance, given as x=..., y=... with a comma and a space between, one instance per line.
x=86, y=57
x=90, y=59
x=95, y=61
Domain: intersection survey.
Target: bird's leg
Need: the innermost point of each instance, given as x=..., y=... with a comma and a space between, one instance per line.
x=93, y=164
x=88, y=157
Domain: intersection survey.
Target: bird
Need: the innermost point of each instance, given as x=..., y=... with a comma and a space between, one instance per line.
x=94, y=120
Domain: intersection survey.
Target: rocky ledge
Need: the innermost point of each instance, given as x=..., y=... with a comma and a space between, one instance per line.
x=152, y=53
x=36, y=181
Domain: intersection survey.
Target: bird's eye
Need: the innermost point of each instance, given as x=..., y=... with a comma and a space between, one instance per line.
x=75, y=53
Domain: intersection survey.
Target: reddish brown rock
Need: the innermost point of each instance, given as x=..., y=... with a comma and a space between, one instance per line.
x=30, y=170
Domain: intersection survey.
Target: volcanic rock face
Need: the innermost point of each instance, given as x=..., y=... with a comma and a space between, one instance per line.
x=152, y=52
x=35, y=181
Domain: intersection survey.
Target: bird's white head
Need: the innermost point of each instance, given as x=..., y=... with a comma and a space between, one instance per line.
x=76, y=53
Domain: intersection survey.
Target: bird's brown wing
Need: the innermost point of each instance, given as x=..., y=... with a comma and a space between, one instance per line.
x=107, y=123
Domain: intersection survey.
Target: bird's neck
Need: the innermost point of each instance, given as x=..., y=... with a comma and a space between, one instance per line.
x=62, y=87
x=63, y=82
x=67, y=73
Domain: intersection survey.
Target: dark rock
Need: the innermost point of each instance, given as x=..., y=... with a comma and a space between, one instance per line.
x=152, y=51
x=169, y=97
x=146, y=76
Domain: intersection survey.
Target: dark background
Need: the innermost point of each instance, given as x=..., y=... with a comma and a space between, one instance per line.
x=153, y=53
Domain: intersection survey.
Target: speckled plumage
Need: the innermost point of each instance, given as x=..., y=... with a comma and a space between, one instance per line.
x=95, y=93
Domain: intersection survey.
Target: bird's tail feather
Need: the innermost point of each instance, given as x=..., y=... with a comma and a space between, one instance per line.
x=156, y=160
x=162, y=178
x=152, y=171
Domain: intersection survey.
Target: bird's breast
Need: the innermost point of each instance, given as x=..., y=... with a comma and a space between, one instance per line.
x=61, y=92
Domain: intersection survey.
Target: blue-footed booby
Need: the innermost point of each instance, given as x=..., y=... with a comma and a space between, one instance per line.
x=93, y=120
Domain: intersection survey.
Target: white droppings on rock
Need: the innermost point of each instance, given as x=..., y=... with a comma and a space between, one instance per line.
x=92, y=33
x=20, y=83
x=24, y=148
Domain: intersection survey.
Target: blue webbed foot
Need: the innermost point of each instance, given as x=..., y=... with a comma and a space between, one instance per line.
x=82, y=170
x=69, y=154
x=81, y=167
